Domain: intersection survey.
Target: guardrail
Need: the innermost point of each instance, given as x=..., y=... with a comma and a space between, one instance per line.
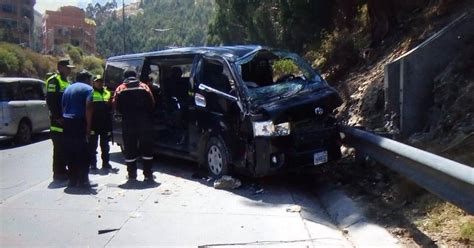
x=450, y=180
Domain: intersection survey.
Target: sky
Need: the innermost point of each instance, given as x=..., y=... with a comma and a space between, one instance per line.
x=42, y=5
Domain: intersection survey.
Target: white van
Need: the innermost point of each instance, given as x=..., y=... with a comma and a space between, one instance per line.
x=23, y=109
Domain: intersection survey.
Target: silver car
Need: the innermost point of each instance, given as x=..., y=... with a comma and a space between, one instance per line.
x=23, y=109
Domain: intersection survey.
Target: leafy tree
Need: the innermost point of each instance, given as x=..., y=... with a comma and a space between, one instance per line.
x=101, y=13
x=179, y=23
x=286, y=23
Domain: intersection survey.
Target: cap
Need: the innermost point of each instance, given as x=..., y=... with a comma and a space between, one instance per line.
x=130, y=73
x=97, y=78
x=65, y=62
x=83, y=76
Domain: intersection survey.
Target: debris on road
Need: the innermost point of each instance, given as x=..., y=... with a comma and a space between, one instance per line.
x=294, y=209
x=166, y=192
x=134, y=215
x=227, y=182
x=108, y=230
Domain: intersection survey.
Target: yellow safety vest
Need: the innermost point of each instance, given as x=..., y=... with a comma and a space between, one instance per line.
x=101, y=97
x=53, y=88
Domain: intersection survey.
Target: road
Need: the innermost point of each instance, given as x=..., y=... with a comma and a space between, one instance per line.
x=181, y=210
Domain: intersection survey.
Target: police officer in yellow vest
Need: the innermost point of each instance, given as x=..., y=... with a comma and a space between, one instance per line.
x=55, y=86
x=101, y=123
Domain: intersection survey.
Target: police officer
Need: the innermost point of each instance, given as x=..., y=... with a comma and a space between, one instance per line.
x=56, y=84
x=134, y=100
x=101, y=123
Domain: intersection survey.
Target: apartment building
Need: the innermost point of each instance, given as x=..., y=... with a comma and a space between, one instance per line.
x=68, y=25
x=17, y=21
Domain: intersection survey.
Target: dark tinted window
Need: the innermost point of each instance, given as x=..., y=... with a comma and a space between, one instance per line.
x=113, y=75
x=6, y=92
x=32, y=91
x=10, y=92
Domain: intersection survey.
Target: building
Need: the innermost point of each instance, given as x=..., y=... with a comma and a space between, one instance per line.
x=16, y=21
x=37, y=32
x=68, y=25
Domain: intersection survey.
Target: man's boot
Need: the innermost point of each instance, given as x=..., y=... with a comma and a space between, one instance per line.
x=147, y=170
x=132, y=170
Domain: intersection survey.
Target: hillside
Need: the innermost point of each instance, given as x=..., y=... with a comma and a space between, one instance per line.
x=411, y=213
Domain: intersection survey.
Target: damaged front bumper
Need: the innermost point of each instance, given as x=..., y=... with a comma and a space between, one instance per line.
x=304, y=147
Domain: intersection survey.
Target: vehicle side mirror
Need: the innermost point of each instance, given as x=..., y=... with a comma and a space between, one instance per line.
x=200, y=100
x=208, y=89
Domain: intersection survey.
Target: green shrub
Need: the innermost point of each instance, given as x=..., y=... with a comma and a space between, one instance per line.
x=93, y=64
x=285, y=66
x=467, y=231
x=8, y=62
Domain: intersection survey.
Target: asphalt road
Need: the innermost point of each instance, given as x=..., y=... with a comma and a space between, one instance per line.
x=181, y=210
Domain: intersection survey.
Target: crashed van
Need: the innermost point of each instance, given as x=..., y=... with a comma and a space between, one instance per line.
x=236, y=109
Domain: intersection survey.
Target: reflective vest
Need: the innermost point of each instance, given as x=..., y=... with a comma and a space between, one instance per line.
x=97, y=96
x=53, y=88
x=56, y=89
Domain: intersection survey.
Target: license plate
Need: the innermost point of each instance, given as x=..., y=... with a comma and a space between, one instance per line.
x=320, y=157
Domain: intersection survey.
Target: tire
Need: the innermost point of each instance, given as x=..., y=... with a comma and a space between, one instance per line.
x=23, y=135
x=216, y=157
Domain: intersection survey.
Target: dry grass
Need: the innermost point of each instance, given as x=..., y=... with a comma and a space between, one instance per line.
x=442, y=221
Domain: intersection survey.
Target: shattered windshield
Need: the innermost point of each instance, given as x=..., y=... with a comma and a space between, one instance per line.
x=271, y=76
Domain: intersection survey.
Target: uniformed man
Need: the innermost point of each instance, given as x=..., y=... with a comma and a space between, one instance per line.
x=101, y=123
x=56, y=85
x=134, y=100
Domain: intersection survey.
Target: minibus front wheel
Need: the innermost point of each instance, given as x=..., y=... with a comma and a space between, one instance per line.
x=217, y=157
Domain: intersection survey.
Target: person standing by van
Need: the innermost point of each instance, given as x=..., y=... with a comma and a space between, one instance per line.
x=55, y=87
x=101, y=123
x=134, y=100
x=77, y=113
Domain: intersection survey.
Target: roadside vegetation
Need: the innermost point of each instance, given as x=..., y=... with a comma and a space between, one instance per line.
x=17, y=61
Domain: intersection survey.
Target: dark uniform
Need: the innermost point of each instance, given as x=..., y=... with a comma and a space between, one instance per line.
x=56, y=85
x=77, y=106
x=101, y=127
x=135, y=102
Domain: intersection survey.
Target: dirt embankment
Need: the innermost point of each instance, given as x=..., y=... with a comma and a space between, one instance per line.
x=411, y=213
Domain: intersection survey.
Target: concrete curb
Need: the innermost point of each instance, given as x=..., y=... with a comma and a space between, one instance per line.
x=350, y=218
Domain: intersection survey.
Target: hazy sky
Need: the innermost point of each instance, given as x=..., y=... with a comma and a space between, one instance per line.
x=42, y=5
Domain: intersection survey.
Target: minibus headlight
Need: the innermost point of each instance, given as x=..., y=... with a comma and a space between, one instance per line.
x=267, y=128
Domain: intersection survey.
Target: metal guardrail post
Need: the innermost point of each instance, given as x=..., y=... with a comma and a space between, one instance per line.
x=450, y=180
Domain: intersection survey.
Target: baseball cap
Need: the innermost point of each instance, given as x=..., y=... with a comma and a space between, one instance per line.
x=65, y=62
x=83, y=76
x=97, y=77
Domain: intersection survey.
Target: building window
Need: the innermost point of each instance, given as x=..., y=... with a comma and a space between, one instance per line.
x=6, y=23
x=75, y=42
x=8, y=8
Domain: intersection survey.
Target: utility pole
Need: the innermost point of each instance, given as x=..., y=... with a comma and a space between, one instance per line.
x=124, y=33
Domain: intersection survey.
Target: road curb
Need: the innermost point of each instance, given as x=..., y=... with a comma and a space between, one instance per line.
x=350, y=218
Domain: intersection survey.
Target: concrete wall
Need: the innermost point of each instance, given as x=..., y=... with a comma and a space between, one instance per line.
x=408, y=81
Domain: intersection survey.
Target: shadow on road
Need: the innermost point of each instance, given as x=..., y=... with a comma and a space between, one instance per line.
x=7, y=143
x=80, y=191
x=134, y=184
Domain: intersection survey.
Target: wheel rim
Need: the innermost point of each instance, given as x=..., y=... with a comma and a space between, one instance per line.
x=24, y=133
x=214, y=160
